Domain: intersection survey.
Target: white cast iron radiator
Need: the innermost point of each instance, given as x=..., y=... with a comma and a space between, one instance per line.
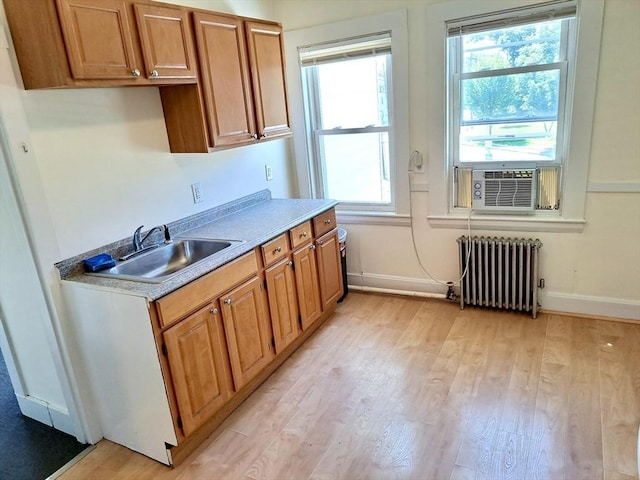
x=500, y=273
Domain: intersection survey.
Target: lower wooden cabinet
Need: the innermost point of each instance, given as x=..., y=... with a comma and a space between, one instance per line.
x=196, y=353
x=329, y=268
x=217, y=342
x=247, y=330
x=283, y=303
x=306, y=273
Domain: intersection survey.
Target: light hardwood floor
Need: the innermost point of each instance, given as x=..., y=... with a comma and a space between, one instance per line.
x=400, y=387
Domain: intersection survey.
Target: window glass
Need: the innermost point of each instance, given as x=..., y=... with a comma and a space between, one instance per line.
x=509, y=91
x=353, y=93
x=357, y=167
x=347, y=108
x=518, y=46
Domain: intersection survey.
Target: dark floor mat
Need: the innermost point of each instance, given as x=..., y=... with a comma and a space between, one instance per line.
x=29, y=450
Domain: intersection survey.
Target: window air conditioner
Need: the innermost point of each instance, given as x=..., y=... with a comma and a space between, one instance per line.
x=504, y=191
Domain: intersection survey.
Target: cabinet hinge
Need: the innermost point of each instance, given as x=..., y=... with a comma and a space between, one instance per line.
x=264, y=284
x=273, y=342
x=179, y=422
x=164, y=349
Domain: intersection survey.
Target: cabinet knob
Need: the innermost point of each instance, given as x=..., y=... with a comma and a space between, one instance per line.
x=264, y=135
x=304, y=234
x=214, y=311
x=228, y=301
x=290, y=263
x=327, y=221
x=313, y=247
x=135, y=73
x=277, y=250
x=320, y=242
x=154, y=73
x=254, y=136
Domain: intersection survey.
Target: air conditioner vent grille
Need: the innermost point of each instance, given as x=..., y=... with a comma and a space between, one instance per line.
x=504, y=190
x=514, y=193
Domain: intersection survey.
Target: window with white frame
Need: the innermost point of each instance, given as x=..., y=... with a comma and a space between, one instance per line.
x=347, y=104
x=509, y=92
x=564, y=171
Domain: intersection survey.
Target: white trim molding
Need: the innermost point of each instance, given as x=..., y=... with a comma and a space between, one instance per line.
x=590, y=305
x=46, y=413
x=514, y=223
x=394, y=284
x=613, y=187
x=373, y=218
x=570, y=304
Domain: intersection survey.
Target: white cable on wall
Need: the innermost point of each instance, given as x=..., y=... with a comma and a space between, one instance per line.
x=413, y=162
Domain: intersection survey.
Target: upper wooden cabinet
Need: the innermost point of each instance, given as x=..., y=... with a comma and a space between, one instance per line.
x=98, y=39
x=225, y=78
x=243, y=78
x=166, y=42
x=223, y=88
x=266, y=57
x=76, y=43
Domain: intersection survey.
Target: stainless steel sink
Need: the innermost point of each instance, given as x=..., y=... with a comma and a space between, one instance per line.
x=166, y=261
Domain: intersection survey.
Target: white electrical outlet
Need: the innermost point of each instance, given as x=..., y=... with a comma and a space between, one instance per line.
x=268, y=171
x=196, y=190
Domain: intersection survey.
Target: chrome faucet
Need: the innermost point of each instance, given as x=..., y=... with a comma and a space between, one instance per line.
x=138, y=239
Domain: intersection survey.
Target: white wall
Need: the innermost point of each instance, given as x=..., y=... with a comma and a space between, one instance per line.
x=97, y=166
x=596, y=271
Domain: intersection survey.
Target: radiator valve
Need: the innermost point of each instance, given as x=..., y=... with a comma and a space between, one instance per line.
x=451, y=293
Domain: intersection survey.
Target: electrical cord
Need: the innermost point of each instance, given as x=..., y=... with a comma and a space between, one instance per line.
x=415, y=248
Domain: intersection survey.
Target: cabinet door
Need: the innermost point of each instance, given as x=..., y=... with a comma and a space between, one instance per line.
x=283, y=303
x=266, y=58
x=225, y=78
x=196, y=353
x=306, y=274
x=329, y=268
x=98, y=39
x=167, y=46
x=247, y=330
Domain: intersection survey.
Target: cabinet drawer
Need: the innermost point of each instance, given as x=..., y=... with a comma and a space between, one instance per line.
x=275, y=249
x=300, y=234
x=324, y=222
x=176, y=305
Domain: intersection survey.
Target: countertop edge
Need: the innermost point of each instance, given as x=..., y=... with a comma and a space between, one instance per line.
x=291, y=212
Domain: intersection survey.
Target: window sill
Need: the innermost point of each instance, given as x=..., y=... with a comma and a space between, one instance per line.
x=508, y=223
x=373, y=218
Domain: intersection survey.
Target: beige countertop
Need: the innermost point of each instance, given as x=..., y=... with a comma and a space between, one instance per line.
x=254, y=220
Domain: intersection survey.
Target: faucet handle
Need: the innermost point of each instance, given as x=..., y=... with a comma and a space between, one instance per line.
x=137, y=243
x=167, y=235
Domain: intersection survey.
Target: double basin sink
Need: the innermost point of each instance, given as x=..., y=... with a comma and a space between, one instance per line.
x=166, y=261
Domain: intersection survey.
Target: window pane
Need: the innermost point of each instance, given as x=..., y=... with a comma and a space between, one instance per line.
x=510, y=117
x=526, y=141
x=353, y=93
x=535, y=44
x=356, y=167
x=521, y=96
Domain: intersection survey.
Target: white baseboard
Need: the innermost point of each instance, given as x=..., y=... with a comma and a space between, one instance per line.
x=590, y=305
x=553, y=301
x=391, y=284
x=45, y=413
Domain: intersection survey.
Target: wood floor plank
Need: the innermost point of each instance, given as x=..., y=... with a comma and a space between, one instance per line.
x=584, y=435
x=547, y=447
x=620, y=396
x=407, y=388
